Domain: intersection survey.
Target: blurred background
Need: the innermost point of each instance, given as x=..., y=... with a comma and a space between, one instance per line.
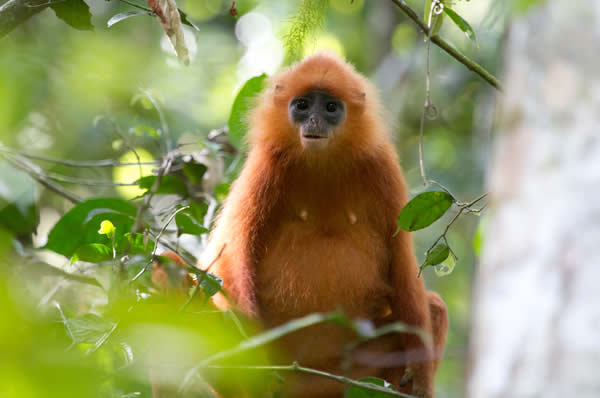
x=88, y=95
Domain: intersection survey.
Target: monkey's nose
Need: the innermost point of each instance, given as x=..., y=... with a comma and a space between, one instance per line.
x=314, y=122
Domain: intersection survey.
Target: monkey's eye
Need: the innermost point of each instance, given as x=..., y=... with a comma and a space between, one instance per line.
x=331, y=107
x=302, y=104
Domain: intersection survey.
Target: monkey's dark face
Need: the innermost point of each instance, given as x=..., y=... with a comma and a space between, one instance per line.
x=316, y=114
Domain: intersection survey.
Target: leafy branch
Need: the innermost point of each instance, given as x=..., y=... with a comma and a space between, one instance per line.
x=293, y=326
x=448, y=48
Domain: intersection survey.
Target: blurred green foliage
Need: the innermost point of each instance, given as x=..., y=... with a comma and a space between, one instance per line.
x=120, y=93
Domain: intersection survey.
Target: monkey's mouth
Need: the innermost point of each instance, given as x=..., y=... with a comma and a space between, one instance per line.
x=312, y=136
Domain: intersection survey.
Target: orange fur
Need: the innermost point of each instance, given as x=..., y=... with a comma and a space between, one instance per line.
x=311, y=231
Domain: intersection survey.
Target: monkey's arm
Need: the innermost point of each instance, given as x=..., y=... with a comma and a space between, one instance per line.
x=235, y=242
x=410, y=304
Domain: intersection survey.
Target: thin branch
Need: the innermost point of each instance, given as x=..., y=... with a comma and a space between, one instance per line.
x=42, y=179
x=197, y=287
x=54, y=271
x=75, y=163
x=453, y=52
x=163, y=229
x=137, y=6
x=295, y=367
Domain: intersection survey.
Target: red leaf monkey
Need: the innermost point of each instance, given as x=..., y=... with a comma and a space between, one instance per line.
x=309, y=227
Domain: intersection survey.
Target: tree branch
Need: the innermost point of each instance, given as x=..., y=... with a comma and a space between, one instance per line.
x=453, y=52
x=15, y=12
x=295, y=367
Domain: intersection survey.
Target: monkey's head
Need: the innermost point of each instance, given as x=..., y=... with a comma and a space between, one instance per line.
x=317, y=107
x=317, y=114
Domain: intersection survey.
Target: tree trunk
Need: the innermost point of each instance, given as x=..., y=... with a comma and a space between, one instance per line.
x=536, y=318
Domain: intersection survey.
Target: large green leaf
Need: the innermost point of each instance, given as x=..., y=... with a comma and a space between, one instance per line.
x=238, y=125
x=359, y=392
x=424, y=209
x=75, y=13
x=80, y=225
x=461, y=23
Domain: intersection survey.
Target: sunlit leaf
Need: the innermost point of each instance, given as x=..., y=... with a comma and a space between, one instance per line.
x=461, y=23
x=360, y=392
x=447, y=266
x=237, y=123
x=125, y=15
x=75, y=13
x=522, y=6
x=80, y=225
x=424, y=209
x=144, y=130
x=478, y=239
x=221, y=191
x=438, y=254
x=93, y=253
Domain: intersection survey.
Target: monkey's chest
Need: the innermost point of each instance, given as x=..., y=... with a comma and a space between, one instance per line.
x=317, y=264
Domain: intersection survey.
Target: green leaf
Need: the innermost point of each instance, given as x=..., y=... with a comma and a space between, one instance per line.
x=75, y=13
x=210, y=284
x=194, y=172
x=168, y=185
x=461, y=23
x=187, y=225
x=479, y=237
x=88, y=328
x=424, y=209
x=237, y=123
x=221, y=191
x=143, y=130
x=197, y=210
x=439, y=253
x=93, y=253
x=124, y=15
x=522, y=6
x=138, y=244
x=446, y=267
x=80, y=225
x=186, y=20
x=437, y=20
x=359, y=392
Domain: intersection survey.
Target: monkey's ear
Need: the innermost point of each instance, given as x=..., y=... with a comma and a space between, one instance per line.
x=358, y=97
x=278, y=93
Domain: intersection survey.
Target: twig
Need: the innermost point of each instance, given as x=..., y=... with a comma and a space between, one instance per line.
x=42, y=179
x=75, y=163
x=444, y=45
x=163, y=229
x=295, y=367
x=137, y=6
x=197, y=287
x=261, y=339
